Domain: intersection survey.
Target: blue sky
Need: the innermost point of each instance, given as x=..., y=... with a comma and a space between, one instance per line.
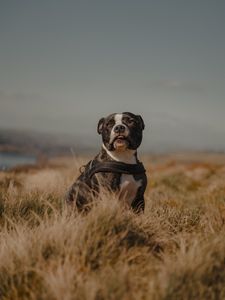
x=65, y=64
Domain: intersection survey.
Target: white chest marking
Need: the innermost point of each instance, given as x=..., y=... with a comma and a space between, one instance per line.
x=127, y=156
x=128, y=188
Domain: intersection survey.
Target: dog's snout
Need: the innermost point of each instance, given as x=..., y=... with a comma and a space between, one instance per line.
x=119, y=129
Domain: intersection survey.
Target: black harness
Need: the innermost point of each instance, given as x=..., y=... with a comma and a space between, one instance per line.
x=114, y=167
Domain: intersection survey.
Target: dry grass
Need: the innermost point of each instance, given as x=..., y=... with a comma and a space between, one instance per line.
x=176, y=250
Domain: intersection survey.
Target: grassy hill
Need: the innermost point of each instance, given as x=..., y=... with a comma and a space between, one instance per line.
x=175, y=250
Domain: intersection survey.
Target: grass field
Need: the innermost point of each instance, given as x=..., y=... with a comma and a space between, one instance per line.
x=175, y=250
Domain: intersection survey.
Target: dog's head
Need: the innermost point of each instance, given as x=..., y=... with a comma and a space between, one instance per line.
x=121, y=131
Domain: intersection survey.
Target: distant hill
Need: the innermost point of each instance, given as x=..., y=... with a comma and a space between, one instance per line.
x=31, y=142
x=154, y=141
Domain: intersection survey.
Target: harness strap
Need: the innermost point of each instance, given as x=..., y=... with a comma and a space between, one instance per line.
x=115, y=167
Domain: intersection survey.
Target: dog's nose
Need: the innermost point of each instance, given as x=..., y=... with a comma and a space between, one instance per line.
x=119, y=129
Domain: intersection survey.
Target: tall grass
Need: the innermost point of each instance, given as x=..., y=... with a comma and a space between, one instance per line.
x=175, y=250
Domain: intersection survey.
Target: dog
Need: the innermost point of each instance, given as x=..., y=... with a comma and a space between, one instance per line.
x=116, y=167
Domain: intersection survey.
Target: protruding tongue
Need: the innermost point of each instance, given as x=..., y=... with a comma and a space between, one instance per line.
x=120, y=141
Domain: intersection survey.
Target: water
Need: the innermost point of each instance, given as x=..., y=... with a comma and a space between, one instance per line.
x=9, y=160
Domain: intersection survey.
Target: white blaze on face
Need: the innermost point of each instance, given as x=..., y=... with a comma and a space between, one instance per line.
x=118, y=119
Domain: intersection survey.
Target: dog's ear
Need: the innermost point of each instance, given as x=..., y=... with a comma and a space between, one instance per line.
x=141, y=122
x=100, y=125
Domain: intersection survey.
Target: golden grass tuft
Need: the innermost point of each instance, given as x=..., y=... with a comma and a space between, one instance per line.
x=175, y=250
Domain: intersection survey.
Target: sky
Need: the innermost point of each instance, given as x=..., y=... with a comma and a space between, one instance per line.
x=66, y=64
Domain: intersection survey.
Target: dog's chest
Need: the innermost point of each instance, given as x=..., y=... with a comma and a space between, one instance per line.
x=128, y=188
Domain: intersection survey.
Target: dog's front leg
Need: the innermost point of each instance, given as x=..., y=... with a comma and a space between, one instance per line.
x=138, y=205
x=77, y=195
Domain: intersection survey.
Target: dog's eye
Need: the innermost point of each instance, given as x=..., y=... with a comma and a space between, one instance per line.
x=131, y=121
x=110, y=123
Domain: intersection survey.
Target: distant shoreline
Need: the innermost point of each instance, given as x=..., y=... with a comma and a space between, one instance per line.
x=10, y=160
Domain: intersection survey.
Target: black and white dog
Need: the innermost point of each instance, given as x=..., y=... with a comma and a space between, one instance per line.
x=116, y=167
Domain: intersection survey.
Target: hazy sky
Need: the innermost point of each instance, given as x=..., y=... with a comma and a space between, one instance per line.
x=65, y=64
